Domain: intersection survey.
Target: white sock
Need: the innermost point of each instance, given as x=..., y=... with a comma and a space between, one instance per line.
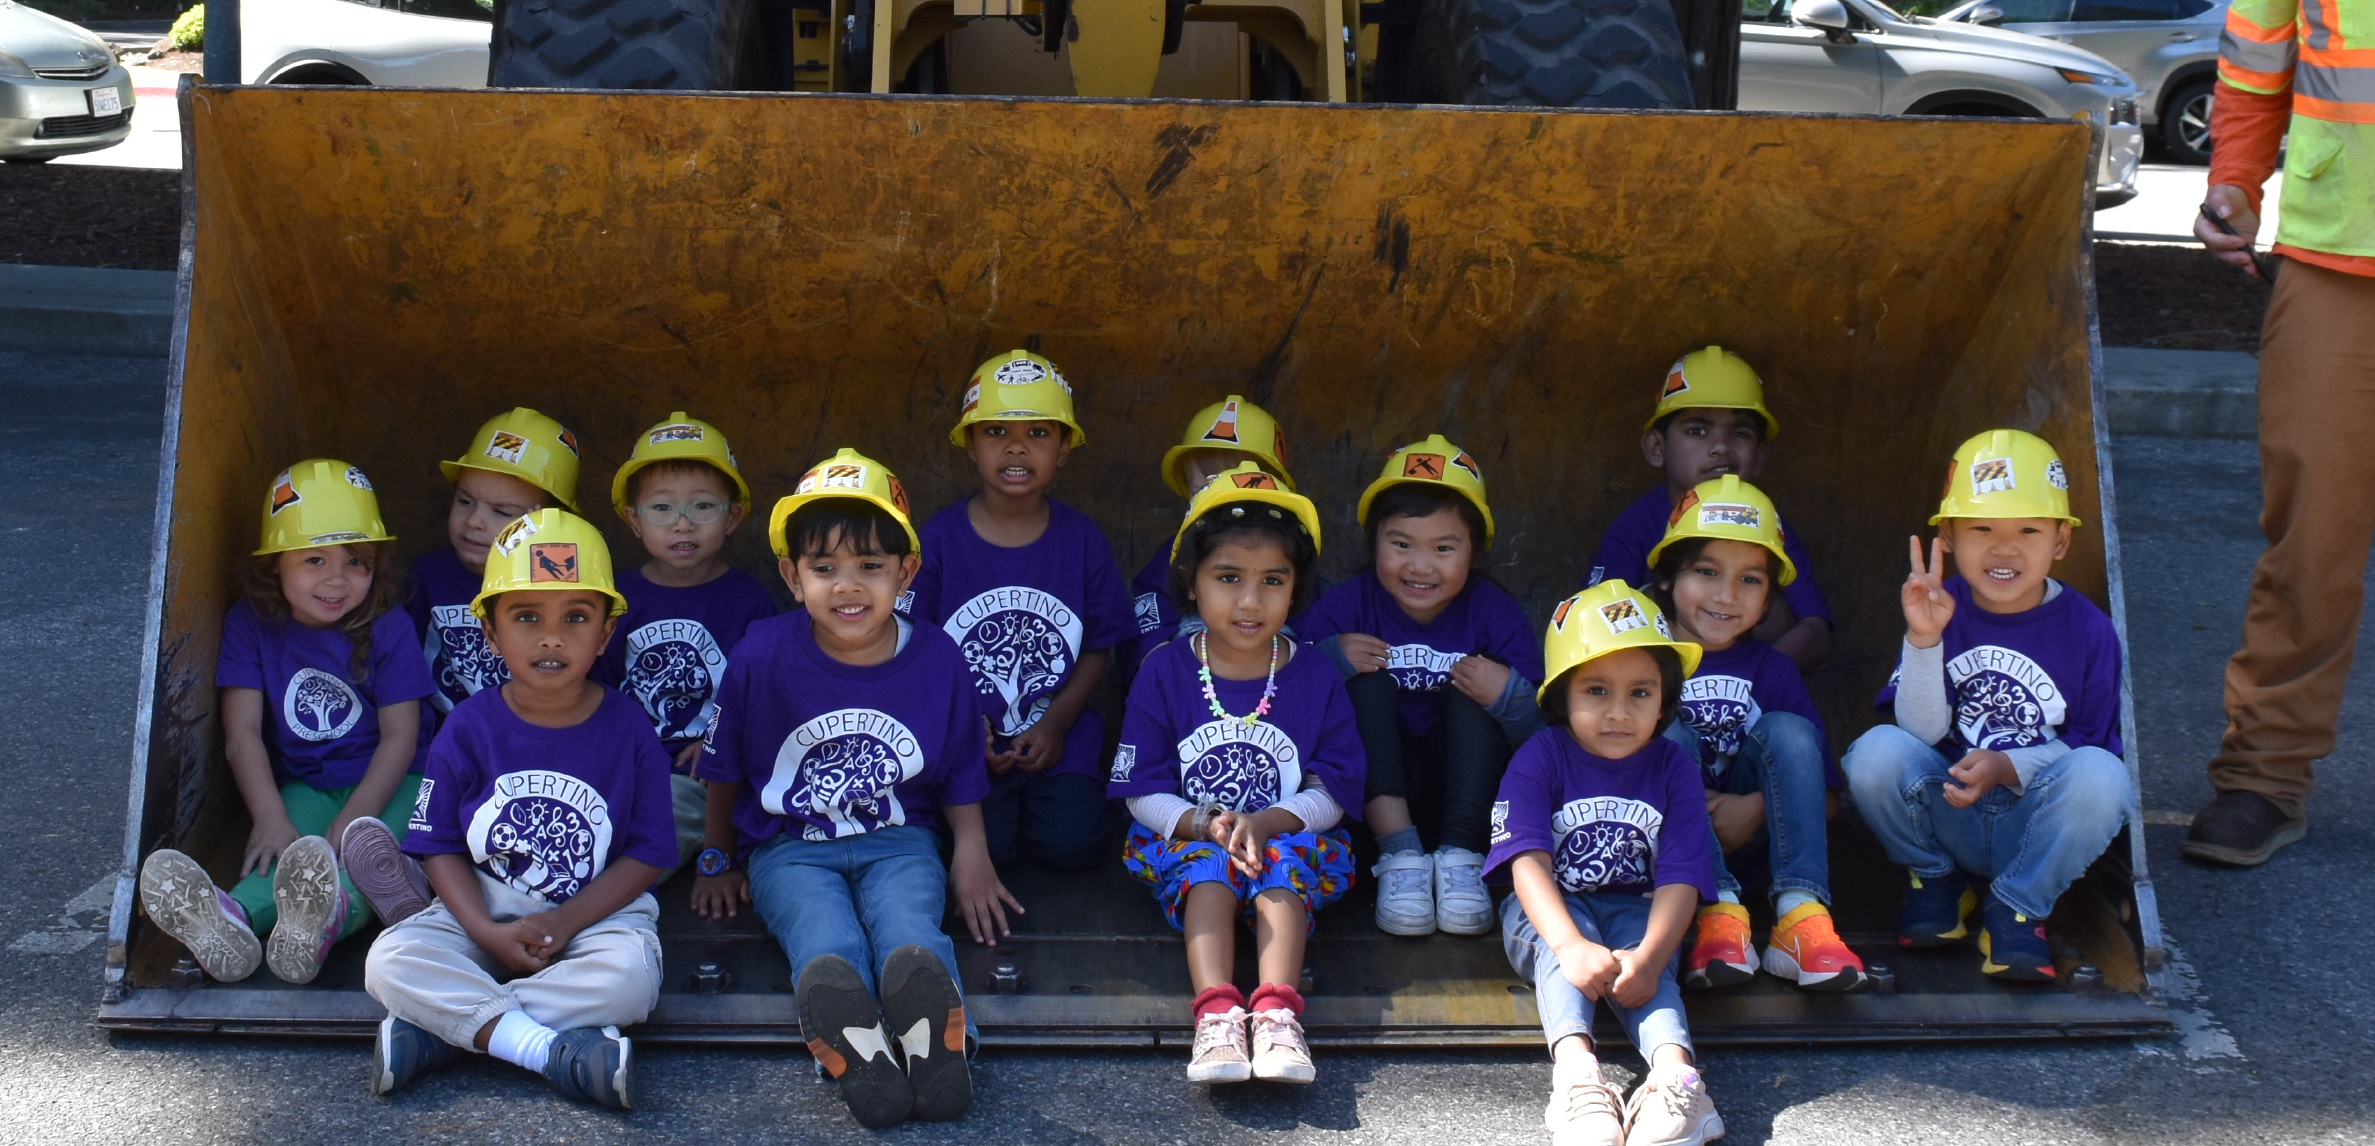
x=1566, y=1072
x=522, y=1041
x=1790, y=901
x=1730, y=897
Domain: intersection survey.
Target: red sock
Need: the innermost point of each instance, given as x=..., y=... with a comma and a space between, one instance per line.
x=1216, y=1000
x=1271, y=996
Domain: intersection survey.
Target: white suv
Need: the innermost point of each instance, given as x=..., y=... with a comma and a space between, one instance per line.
x=403, y=43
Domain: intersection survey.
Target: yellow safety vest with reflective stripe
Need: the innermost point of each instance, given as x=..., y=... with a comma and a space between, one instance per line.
x=2324, y=50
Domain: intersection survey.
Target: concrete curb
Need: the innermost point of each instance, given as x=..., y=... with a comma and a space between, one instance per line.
x=2182, y=393
x=86, y=310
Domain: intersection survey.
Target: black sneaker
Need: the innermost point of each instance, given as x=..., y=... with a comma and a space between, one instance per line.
x=596, y=1066
x=1935, y=909
x=921, y=1004
x=404, y=1052
x=2012, y=945
x=2241, y=829
x=845, y=1032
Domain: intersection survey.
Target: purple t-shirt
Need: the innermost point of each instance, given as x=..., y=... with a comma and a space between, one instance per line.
x=318, y=729
x=1023, y=616
x=1156, y=614
x=460, y=661
x=1624, y=553
x=831, y=750
x=1483, y=620
x=1733, y=689
x=1630, y=826
x=2017, y=680
x=670, y=649
x=1171, y=742
x=545, y=809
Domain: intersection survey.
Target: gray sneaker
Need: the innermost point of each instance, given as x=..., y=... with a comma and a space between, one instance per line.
x=1462, y=905
x=185, y=904
x=312, y=910
x=1405, y=893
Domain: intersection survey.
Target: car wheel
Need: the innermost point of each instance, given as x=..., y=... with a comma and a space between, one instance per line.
x=2185, y=124
x=28, y=159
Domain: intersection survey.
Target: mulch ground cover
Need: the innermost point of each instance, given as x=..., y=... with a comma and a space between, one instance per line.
x=2171, y=297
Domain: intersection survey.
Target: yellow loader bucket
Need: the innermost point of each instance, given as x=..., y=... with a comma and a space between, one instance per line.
x=369, y=273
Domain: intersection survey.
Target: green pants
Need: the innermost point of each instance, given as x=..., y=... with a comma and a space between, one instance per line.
x=311, y=809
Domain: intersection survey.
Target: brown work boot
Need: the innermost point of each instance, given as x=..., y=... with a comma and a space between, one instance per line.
x=2241, y=829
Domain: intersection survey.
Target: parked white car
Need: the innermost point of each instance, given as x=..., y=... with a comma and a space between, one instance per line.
x=61, y=91
x=400, y=43
x=2170, y=47
x=1863, y=56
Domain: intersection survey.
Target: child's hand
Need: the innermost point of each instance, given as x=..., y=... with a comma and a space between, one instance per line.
x=1481, y=679
x=1037, y=748
x=1927, y=605
x=517, y=945
x=1737, y=819
x=1975, y=774
x=720, y=896
x=686, y=755
x=1364, y=652
x=555, y=932
x=1591, y=967
x=1240, y=835
x=265, y=841
x=1000, y=763
x=1635, y=981
x=981, y=898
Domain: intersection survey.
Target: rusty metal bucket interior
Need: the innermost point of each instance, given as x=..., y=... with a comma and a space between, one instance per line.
x=371, y=272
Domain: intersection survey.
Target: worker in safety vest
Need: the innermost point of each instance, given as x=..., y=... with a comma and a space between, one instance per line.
x=2306, y=67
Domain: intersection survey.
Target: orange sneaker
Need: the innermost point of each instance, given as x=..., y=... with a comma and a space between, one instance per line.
x=1806, y=950
x=1722, y=956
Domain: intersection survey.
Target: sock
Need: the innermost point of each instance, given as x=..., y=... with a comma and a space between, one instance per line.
x=1790, y=901
x=1396, y=843
x=1729, y=895
x=1216, y=1001
x=1272, y=996
x=1580, y=1069
x=1673, y=1073
x=522, y=1041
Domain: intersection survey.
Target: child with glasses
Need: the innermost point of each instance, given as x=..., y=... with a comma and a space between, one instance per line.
x=682, y=494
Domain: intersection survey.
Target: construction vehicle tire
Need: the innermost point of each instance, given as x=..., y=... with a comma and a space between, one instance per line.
x=678, y=45
x=1551, y=53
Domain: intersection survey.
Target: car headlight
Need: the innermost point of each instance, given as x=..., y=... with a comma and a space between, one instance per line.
x=2078, y=77
x=12, y=68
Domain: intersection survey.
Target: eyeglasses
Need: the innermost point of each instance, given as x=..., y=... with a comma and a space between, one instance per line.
x=661, y=515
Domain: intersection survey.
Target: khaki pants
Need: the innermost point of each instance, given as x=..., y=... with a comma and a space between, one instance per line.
x=427, y=972
x=2317, y=479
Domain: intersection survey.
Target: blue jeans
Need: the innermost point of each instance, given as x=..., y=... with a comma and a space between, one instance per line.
x=1060, y=820
x=1781, y=756
x=1613, y=920
x=860, y=897
x=2033, y=846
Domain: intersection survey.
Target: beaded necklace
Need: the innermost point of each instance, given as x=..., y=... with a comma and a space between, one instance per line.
x=1204, y=673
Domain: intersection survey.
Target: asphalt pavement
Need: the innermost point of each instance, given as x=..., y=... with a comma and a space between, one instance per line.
x=2274, y=1044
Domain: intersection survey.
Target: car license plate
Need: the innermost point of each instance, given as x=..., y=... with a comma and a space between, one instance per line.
x=106, y=101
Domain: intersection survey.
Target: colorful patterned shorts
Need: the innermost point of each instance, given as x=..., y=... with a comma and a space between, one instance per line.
x=1317, y=868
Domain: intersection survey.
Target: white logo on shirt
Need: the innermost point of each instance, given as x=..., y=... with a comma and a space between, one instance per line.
x=319, y=706
x=1149, y=607
x=1605, y=841
x=673, y=670
x=420, y=807
x=545, y=833
x=457, y=649
x=1242, y=767
x=2003, y=699
x=1720, y=709
x=1020, y=643
x=841, y=768
x=1420, y=668
x=1500, y=822
x=1125, y=761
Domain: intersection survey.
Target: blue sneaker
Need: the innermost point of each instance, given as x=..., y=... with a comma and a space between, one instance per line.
x=596, y=1066
x=1935, y=909
x=2012, y=945
x=405, y=1052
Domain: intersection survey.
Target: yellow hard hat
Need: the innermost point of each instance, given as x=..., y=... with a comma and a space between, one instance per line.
x=528, y=446
x=1600, y=620
x=319, y=501
x=1017, y=386
x=1246, y=485
x=679, y=439
x=1229, y=424
x=1716, y=379
x=548, y=549
x=1435, y=460
x=2006, y=474
x=1731, y=510
x=847, y=474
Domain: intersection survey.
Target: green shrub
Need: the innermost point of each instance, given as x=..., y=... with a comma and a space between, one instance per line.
x=189, y=32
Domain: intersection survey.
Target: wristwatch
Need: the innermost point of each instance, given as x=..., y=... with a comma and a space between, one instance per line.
x=712, y=862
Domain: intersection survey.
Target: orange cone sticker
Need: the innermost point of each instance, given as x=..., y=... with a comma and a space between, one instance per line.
x=898, y=494
x=570, y=440
x=1469, y=464
x=1682, y=507
x=1558, y=617
x=1224, y=425
x=284, y=493
x=1676, y=382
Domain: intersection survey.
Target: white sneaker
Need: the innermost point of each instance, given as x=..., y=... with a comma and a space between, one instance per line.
x=1279, y=1052
x=1220, y=1054
x=1671, y=1108
x=1583, y=1112
x=1462, y=905
x=1405, y=893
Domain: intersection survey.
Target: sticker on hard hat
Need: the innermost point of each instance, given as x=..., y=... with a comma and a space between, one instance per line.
x=1676, y=381
x=1622, y=616
x=835, y=475
x=2055, y=476
x=1254, y=481
x=1729, y=514
x=552, y=561
x=1991, y=475
x=1681, y=507
x=972, y=399
x=519, y=530
x=284, y=493
x=355, y=478
x=1278, y=444
x=1224, y=424
x=342, y=537
x=1428, y=466
x=1467, y=463
x=570, y=440
x=1558, y=616
x=1020, y=372
x=898, y=494
x=679, y=432
x=505, y=446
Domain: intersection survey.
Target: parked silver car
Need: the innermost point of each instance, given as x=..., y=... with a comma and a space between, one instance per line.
x=1863, y=56
x=2170, y=48
x=61, y=91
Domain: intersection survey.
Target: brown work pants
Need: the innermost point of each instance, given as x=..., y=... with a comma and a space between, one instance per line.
x=2317, y=481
